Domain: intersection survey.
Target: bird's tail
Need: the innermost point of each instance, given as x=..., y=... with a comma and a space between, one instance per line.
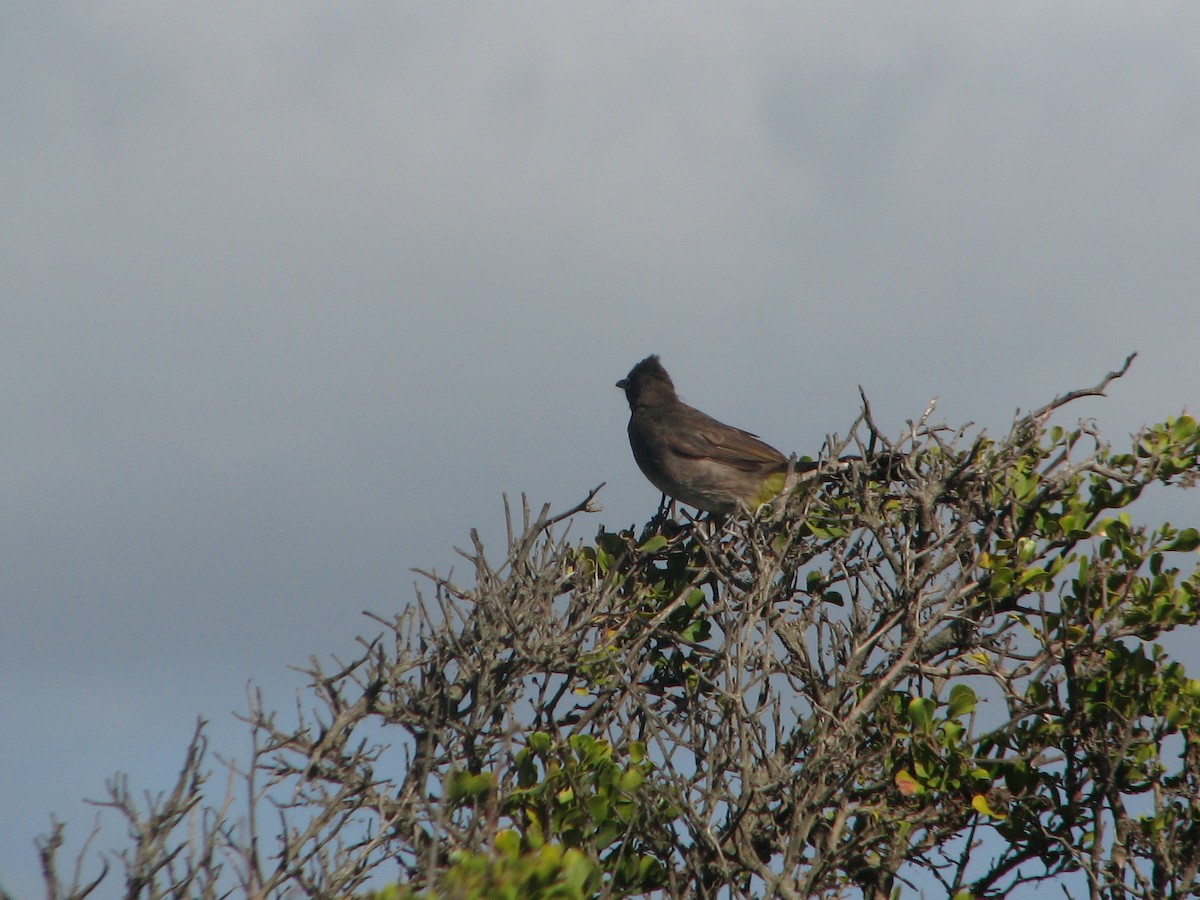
x=882, y=466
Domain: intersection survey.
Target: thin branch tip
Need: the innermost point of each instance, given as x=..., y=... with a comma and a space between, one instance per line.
x=1128, y=362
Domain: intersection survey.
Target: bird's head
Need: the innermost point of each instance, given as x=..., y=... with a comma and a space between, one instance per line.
x=647, y=384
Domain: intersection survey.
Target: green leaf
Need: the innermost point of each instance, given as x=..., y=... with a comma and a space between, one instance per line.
x=463, y=786
x=979, y=803
x=632, y=779
x=949, y=733
x=1027, y=550
x=696, y=632
x=653, y=545
x=920, y=713
x=508, y=842
x=908, y=785
x=1186, y=541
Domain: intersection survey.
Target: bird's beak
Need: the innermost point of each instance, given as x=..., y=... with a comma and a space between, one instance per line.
x=623, y=383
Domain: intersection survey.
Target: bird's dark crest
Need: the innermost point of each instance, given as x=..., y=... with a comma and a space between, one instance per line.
x=648, y=381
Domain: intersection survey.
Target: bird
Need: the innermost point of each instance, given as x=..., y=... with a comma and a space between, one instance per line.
x=693, y=458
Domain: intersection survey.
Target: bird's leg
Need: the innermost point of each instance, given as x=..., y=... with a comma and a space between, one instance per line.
x=665, y=505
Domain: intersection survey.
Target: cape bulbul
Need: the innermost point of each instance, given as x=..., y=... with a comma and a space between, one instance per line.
x=691, y=456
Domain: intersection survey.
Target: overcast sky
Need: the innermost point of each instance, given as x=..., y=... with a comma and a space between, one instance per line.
x=291, y=293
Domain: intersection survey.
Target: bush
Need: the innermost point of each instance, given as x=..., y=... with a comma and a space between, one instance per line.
x=946, y=676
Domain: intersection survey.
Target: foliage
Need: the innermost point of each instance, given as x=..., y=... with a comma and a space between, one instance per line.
x=949, y=674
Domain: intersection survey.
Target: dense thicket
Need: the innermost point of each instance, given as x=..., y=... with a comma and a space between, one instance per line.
x=946, y=679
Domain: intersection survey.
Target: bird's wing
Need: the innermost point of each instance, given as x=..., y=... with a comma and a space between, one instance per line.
x=706, y=438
